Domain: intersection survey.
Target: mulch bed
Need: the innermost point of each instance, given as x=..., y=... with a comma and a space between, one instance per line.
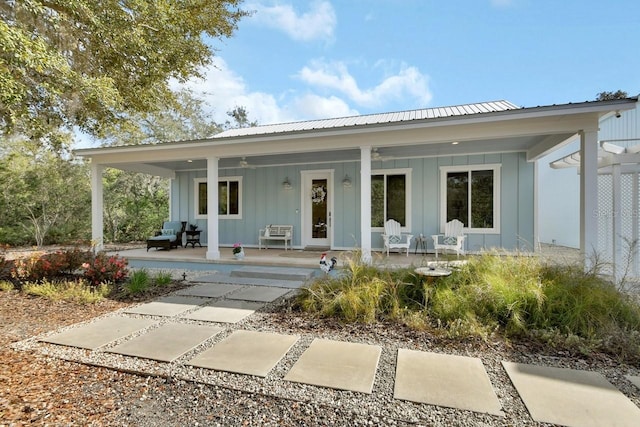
x=36, y=389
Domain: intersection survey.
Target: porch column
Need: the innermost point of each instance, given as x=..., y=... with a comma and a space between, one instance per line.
x=588, y=195
x=213, y=248
x=365, y=204
x=97, y=207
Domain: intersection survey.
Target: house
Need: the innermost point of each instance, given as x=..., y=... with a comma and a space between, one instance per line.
x=617, y=190
x=338, y=180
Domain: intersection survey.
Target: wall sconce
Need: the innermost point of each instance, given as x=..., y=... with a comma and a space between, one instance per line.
x=346, y=182
x=286, y=184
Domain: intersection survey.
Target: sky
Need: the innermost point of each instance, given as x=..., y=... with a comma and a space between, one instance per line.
x=298, y=60
x=295, y=60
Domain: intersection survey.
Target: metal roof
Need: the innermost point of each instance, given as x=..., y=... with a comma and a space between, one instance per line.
x=373, y=119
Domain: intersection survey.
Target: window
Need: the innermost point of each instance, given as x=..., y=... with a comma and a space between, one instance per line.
x=390, y=197
x=471, y=195
x=229, y=197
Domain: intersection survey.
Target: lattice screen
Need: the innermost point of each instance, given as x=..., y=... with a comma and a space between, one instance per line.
x=629, y=224
x=605, y=219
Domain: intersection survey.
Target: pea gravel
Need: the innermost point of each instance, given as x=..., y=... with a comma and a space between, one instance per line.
x=175, y=394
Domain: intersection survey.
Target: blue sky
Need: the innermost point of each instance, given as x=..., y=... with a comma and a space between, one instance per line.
x=299, y=60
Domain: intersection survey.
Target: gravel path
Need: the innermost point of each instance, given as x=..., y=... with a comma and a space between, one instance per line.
x=147, y=393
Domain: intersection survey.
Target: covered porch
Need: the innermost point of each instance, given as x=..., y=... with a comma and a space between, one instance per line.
x=273, y=171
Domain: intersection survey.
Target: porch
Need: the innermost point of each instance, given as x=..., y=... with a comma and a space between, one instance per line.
x=196, y=257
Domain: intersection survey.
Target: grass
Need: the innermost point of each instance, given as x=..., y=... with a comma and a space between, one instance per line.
x=139, y=281
x=68, y=290
x=162, y=278
x=515, y=296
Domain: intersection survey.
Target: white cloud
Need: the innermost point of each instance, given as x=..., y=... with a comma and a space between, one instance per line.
x=407, y=82
x=222, y=89
x=312, y=106
x=316, y=24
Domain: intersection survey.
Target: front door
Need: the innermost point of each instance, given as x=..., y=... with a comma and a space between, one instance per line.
x=317, y=198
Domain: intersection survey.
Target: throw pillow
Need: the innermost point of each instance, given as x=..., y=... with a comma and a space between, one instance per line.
x=168, y=232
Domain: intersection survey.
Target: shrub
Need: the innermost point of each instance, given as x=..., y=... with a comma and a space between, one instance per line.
x=491, y=292
x=39, y=265
x=68, y=290
x=138, y=282
x=162, y=278
x=360, y=293
x=6, y=286
x=105, y=269
x=513, y=295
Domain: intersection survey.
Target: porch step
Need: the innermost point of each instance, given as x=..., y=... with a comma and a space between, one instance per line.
x=226, y=278
x=274, y=273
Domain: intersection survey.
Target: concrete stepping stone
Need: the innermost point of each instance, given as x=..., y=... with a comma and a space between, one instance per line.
x=634, y=379
x=209, y=290
x=246, y=352
x=99, y=333
x=571, y=397
x=226, y=278
x=259, y=293
x=225, y=311
x=168, y=306
x=445, y=380
x=168, y=342
x=337, y=364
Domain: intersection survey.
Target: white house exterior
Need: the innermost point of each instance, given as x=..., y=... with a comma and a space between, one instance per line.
x=337, y=180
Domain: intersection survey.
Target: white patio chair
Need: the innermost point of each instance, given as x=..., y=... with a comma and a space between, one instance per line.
x=394, y=238
x=452, y=239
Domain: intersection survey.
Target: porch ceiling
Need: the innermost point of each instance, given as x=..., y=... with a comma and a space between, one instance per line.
x=515, y=144
x=536, y=131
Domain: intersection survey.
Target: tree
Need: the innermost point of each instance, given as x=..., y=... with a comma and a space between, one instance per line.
x=240, y=117
x=136, y=204
x=87, y=64
x=607, y=96
x=45, y=196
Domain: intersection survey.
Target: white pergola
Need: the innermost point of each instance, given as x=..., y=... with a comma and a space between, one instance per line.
x=617, y=193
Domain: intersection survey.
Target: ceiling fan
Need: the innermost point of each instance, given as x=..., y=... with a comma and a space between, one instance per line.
x=376, y=156
x=244, y=164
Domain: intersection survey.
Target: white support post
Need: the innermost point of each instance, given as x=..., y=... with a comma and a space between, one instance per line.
x=97, y=207
x=616, y=209
x=636, y=224
x=588, y=195
x=213, y=248
x=365, y=204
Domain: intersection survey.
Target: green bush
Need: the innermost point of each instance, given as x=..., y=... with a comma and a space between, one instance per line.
x=162, y=278
x=491, y=292
x=361, y=293
x=517, y=296
x=138, y=282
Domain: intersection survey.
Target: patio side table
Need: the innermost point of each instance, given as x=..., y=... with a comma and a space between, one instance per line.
x=193, y=237
x=421, y=241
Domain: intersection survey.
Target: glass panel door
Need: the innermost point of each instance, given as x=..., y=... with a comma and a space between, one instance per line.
x=316, y=207
x=319, y=212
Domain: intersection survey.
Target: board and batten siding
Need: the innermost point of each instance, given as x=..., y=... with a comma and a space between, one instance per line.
x=265, y=201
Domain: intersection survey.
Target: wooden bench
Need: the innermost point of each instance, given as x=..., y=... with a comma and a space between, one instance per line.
x=275, y=232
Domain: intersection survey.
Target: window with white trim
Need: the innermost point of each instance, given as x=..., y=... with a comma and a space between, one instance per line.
x=229, y=197
x=471, y=194
x=390, y=190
